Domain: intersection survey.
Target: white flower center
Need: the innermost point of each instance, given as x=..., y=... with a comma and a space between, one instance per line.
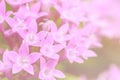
x=23, y=61
x=47, y=49
x=71, y=53
x=20, y=26
x=47, y=72
x=31, y=38
x=58, y=37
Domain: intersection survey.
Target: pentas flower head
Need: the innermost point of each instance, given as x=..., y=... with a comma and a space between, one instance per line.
x=53, y=27
x=23, y=60
x=48, y=71
x=87, y=36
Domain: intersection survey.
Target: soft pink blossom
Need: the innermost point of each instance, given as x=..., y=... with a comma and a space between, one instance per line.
x=48, y=71
x=23, y=60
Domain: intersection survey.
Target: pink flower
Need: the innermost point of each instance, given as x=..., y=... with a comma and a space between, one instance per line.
x=113, y=73
x=17, y=25
x=49, y=49
x=78, y=49
x=31, y=12
x=72, y=11
x=61, y=35
x=23, y=60
x=87, y=36
x=32, y=37
x=48, y=71
x=77, y=54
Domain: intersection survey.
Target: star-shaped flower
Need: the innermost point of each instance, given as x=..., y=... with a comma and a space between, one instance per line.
x=23, y=60
x=48, y=71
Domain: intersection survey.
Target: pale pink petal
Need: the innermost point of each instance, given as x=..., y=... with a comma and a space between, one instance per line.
x=33, y=26
x=52, y=56
x=41, y=14
x=37, y=44
x=42, y=63
x=53, y=26
x=34, y=57
x=11, y=55
x=70, y=60
x=41, y=35
x=58, y=74
x=51, y=78
x=19, y=14
x=24, y=49
x=49, y=40
x=1, y=66
x=58, y=47
x=78, y=60
x=64, y=28
x=11, y=22
x=16, y=69
x=36, y=7
x=3, y=7
x=51, y=63
x=88, y=53
x=41, y=75
x=29, y=69
x=22, y=33
x=50, y=26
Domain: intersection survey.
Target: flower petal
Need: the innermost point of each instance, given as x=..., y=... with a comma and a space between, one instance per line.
x=11, y=21
x=41, y=35
x=34, y=57
x=36, y=7
x=11, y=55
x=58, y=47
x=42, y=63
x=64, y=28
x=16, y=69
x=29, y=69
x=78, y=60
x=33, y=26
x=24, y=49
x=1, y=66
x=2, y=5
x=58, y=74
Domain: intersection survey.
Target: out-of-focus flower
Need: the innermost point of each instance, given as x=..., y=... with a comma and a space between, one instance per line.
x=112, y=73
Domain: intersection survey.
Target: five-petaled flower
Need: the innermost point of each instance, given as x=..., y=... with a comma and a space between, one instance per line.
x=23, y=60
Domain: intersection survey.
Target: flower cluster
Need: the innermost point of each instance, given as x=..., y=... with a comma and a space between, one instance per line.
x=57, y=29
